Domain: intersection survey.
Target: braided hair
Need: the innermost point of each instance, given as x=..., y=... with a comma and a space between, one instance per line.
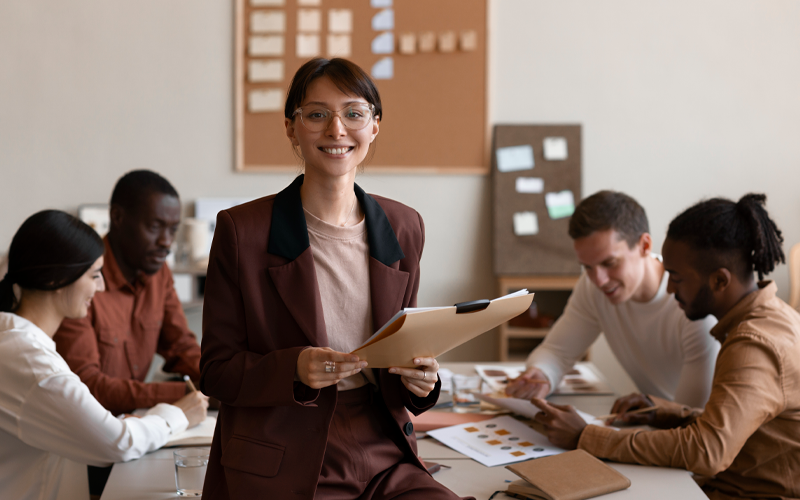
x=738, y=236
x=50, y=250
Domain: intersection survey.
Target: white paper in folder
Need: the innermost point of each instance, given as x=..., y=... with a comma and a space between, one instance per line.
x=432, y=331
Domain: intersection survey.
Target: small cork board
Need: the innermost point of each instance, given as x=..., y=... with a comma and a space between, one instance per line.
x=434, y=101
x=526, y=244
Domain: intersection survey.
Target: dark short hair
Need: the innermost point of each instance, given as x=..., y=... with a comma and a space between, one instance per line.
x=738, y=236
x=135, y=186
x=347, y=76
x=50, y=250
x=606, y=210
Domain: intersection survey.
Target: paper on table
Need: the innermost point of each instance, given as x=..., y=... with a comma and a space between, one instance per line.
x=580, y=380
x=515, y=158
x=527, y=409
x=307, y=45
x=339, y=46
x=340, y=21
x=268, y=21
x=383, y=69
x=530, y=185
x=383, y=43
x=555, y=148
x=430, y=332
x=201, y=434
x=309, y=20
x=271, y=45
x=383, y=20
x=498, y=441
x=266, y=100
x=526, y=223
x=560, y=204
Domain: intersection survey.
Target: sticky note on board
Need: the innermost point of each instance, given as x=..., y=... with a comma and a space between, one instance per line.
x=468, y=40
x=309, y=20
x=267, y=3
x=447, y=41
x=407, y=43
x=307, y=45
x=309, y=3
x=380, y=4
x=383, y=69
x=265, y=100
x=515, y=158
x=383, y=20
x=340, y=21
x=383, y=43
x=555, y=148
x=526, y=223
x=560, y=204
x=270, y=45
x=530, y=185
x=265, y=71
x=339, y=46
x=427, y=41
x=268, y=21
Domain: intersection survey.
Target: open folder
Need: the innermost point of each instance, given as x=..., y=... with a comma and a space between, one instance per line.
x=432, y=331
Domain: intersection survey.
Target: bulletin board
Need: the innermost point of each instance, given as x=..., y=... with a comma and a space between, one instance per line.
x=541, y=246
x=434, y=101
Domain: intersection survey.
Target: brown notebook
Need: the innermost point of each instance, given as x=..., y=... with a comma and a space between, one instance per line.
x=573, y=475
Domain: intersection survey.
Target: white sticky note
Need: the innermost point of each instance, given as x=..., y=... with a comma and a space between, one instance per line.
x=407, y=43
x=383, y=69
x=265, y=71
x=383, y=43
x=383, y=20
x=380, y=4
x=515, y=158
x=309, y=20
x=427, y=41
x=267, y=3
x=447, y=41
x=560, y=204
x=340, y=21
x=339, y=46
x=555, y=148
x=468, y=40
x=265, y=100
x=270, y=45
x=526, y=223
x=268, y=21
x=530, y=185
x=307, y=45
x=309, y=3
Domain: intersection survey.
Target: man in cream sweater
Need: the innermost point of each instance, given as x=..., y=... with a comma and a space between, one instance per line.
x=623, y=294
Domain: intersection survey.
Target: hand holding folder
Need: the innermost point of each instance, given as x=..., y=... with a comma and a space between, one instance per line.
x=432, y=331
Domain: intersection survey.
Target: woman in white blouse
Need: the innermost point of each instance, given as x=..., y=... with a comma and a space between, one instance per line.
x=50, y=424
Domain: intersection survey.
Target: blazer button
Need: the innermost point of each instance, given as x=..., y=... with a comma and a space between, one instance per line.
x=409, y=428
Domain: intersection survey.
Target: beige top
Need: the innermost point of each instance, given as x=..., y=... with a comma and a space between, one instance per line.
x=341, y=262
x=747, y=439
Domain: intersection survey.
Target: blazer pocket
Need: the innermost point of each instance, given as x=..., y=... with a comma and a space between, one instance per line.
x=251, y=456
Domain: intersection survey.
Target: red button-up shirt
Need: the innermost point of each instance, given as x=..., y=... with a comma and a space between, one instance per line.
x=112, y=347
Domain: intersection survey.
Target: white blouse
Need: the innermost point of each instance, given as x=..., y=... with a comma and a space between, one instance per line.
x=51, y=425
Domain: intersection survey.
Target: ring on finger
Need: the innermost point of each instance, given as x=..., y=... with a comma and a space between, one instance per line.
x=330, y=366
x=424, y=374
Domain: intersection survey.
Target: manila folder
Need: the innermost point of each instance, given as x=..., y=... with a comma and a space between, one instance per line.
x=433, y=332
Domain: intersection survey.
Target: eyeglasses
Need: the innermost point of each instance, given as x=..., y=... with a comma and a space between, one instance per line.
x=318, y=118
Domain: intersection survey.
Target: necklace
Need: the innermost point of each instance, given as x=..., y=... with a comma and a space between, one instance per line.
x=353, y=206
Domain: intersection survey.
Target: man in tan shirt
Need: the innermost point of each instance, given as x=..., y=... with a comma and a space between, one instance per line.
x=745, y=443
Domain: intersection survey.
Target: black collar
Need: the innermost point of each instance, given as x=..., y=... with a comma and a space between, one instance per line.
x=288, y=234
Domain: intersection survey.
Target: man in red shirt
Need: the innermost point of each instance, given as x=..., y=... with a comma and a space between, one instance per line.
x=139, y=314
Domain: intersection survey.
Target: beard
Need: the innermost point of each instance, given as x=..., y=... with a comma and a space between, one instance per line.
x=701, y=305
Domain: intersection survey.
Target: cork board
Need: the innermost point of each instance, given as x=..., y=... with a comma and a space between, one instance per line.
x=434, y=105
x=549, y=251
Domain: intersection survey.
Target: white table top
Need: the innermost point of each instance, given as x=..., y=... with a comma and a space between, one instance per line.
x=152, y=477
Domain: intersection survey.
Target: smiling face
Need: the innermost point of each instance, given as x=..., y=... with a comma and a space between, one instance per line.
x=616, y=269
x=691, y=288
x=145, y=234
x=335, y=151
x=76, y=298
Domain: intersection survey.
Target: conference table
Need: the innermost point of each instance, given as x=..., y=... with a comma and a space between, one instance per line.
x=152, y=477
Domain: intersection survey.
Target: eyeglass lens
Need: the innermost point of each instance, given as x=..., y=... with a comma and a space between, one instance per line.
x=318, y=118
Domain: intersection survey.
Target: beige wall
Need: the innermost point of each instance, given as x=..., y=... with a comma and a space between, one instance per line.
x=679, y=100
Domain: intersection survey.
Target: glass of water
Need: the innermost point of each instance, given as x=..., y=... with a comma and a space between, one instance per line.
x=190, y=470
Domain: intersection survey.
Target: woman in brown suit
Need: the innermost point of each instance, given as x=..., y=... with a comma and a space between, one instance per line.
x=297, y=280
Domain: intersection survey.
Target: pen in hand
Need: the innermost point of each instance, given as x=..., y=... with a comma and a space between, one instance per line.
x=189, y=383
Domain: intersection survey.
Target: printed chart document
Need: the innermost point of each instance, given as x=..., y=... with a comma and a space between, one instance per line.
x=582, y=379
x=432, y=331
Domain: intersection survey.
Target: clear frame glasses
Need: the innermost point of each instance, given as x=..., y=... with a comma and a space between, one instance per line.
x=317, y=118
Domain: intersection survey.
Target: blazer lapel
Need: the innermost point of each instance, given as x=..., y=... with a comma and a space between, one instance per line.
x=387, y=291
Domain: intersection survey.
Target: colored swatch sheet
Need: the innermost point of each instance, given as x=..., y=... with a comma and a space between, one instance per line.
x=498, y=441
x=580, y=380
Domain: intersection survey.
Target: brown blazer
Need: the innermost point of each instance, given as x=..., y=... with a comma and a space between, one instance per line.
x=262, y=307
